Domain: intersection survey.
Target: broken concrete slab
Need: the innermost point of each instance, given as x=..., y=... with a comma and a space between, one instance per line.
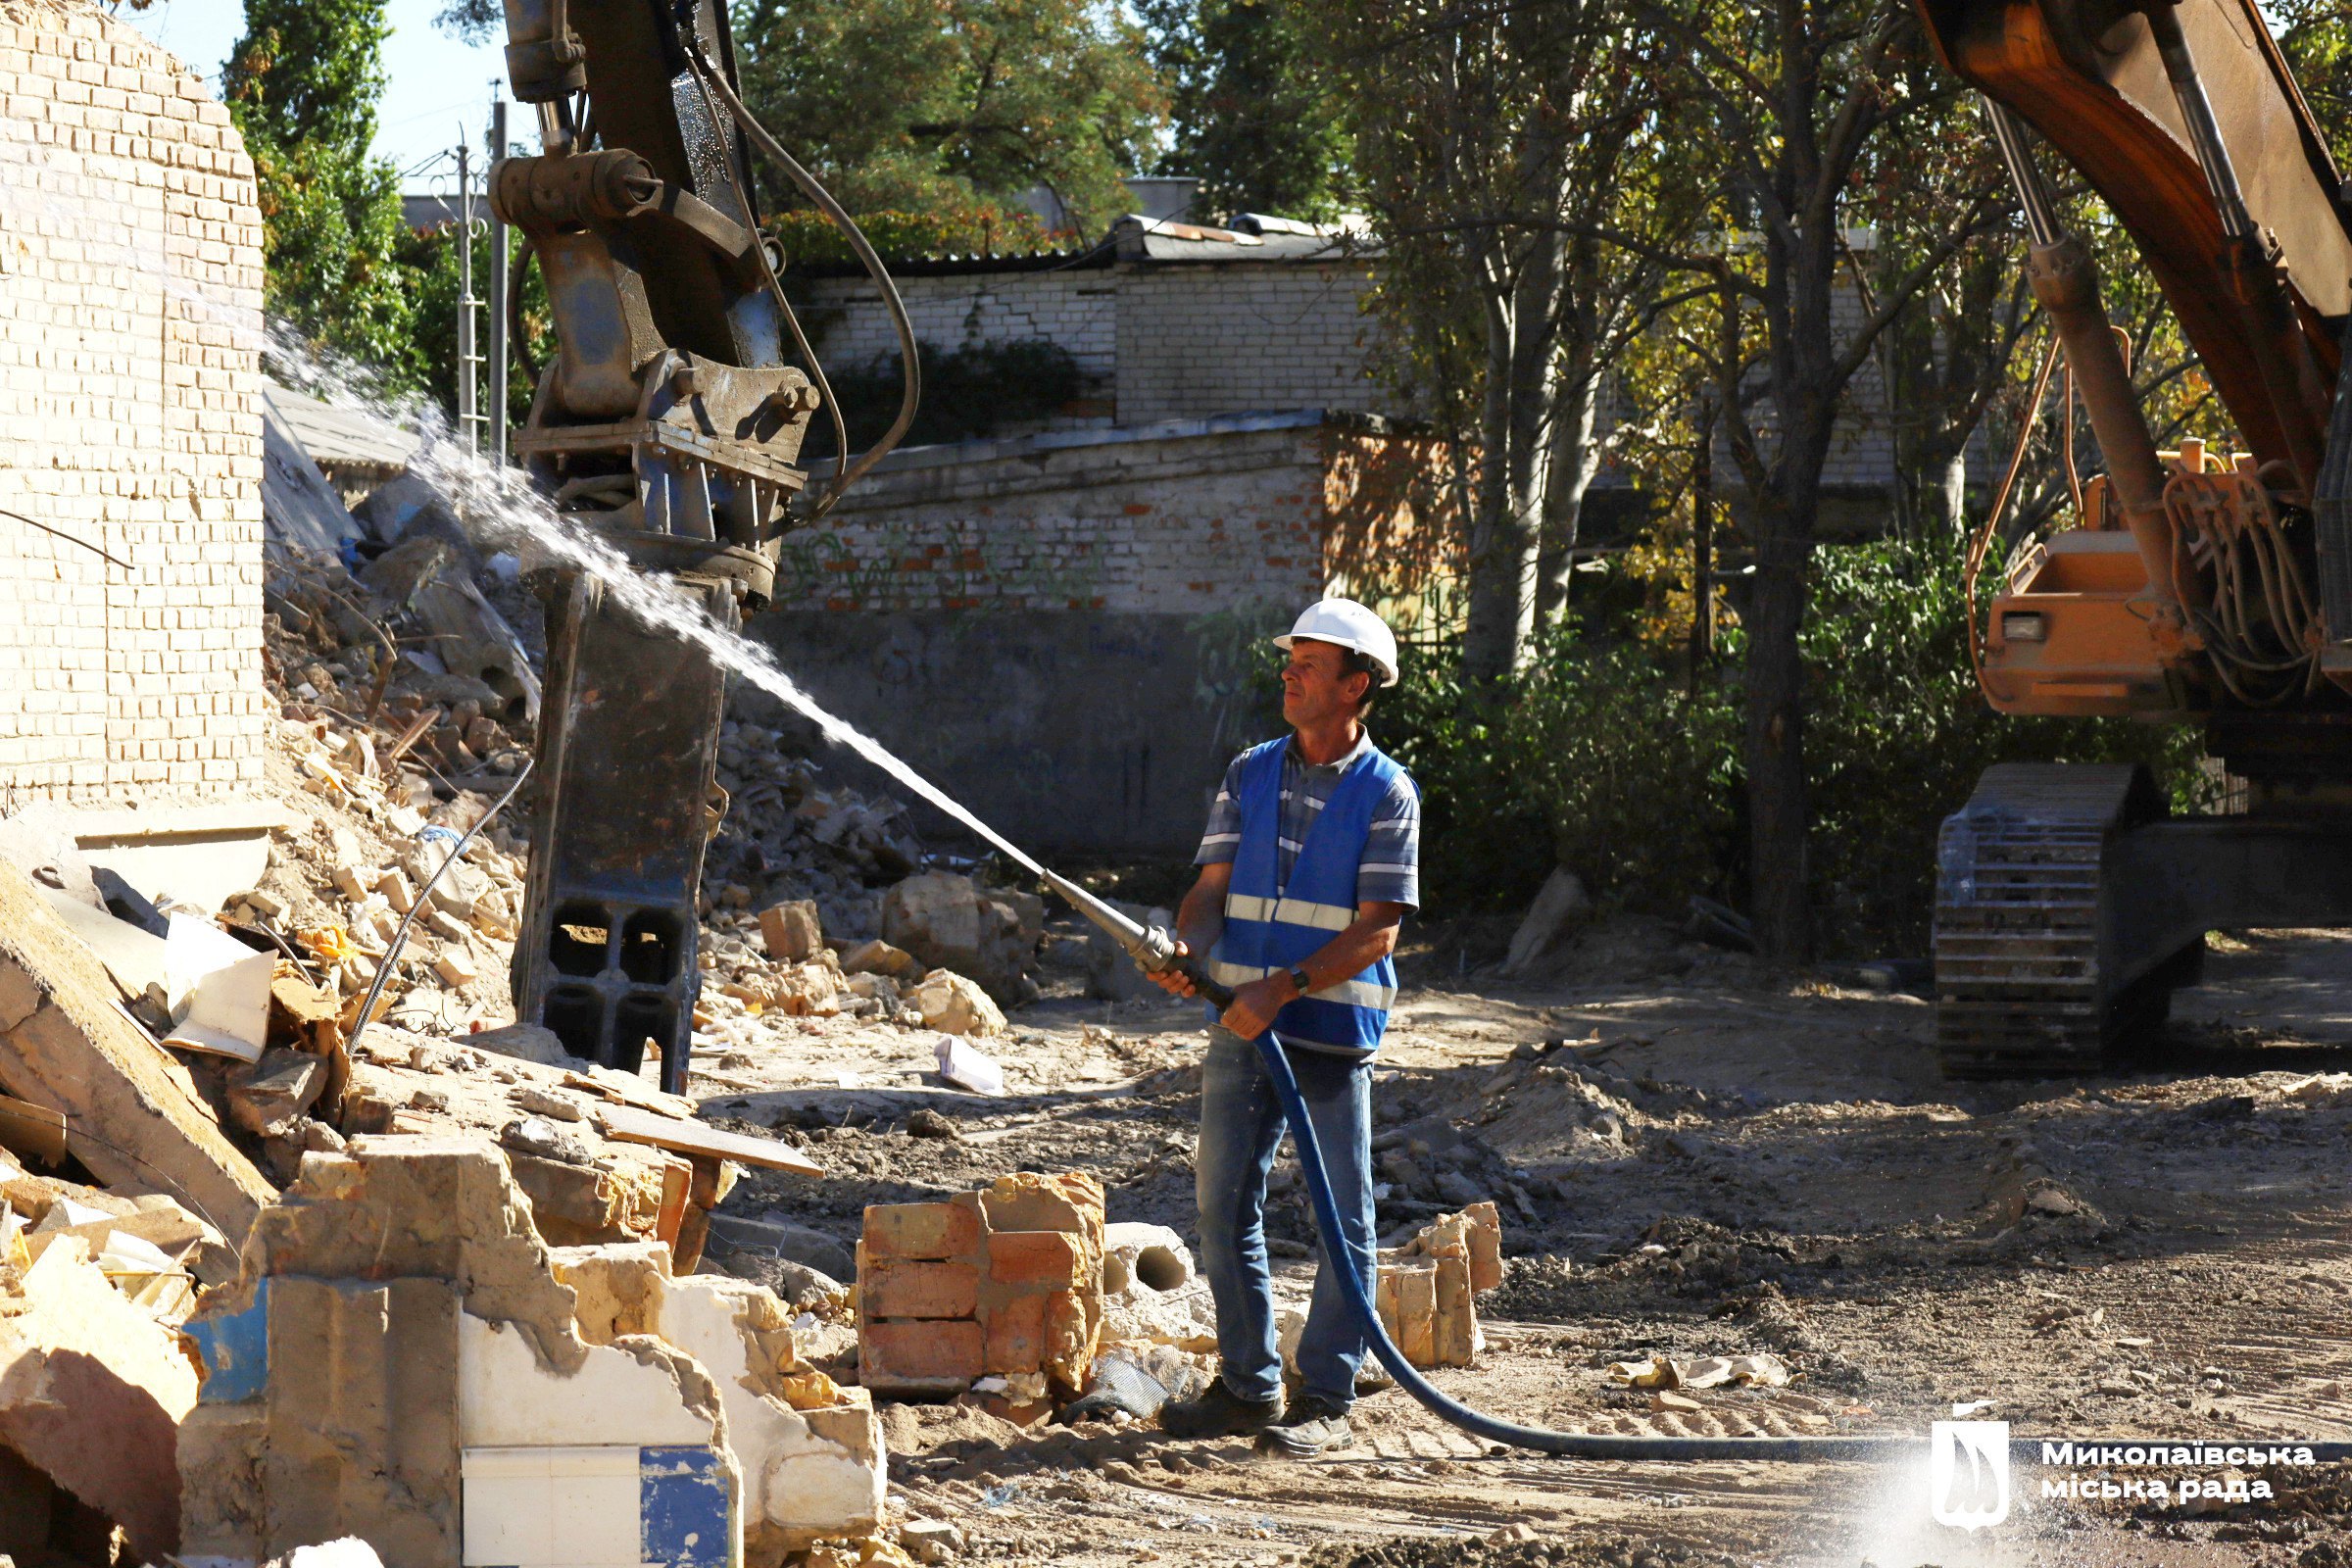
x=199, y=854
x=92, y=1391
x=810, y=1452
x=397, y=1361
x=133, y=1115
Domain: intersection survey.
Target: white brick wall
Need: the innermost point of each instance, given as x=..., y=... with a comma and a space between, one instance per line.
x=1200, y=341
x=1188, y=524
x=1166, y=342
x=131, y=287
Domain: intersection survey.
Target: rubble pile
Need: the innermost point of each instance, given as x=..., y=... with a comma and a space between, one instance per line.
x=402, y=1357
x=784, y=836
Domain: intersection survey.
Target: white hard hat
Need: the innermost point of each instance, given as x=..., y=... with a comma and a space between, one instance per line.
x=1348, y=624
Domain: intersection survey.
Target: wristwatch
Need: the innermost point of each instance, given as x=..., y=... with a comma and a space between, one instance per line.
x=1300, y=980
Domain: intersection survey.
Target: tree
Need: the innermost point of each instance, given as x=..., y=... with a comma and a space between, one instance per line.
x=303, y=86
x=956, y=106
x=1797, y=92
x=1257, y=113
x=1525, y=180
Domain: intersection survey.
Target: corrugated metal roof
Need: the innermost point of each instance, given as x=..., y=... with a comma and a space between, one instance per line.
x=340, y=437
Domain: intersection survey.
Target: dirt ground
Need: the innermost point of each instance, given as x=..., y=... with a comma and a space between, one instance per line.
x=1693, y=1158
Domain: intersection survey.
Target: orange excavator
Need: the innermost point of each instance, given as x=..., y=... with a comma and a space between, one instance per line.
x=2196, y=587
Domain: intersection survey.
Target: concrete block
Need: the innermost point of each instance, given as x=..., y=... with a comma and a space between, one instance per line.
x=792, y=931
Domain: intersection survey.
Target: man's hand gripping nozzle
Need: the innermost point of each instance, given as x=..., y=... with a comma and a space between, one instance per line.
x=1151, y=946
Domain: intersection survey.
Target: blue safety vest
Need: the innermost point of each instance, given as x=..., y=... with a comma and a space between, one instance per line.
x=1270, y=926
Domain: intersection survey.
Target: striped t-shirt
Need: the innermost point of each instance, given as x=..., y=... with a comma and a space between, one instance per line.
x=1389, y=869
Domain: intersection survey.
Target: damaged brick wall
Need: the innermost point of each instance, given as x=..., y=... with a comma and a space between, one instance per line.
x=130, y=291
x=1203, y=516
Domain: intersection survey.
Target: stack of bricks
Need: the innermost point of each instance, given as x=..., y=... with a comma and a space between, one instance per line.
x=130, y=429
x=1005, y=1282
x=1427, y=1287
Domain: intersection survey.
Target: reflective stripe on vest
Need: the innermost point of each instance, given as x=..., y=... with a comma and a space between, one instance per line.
x=1349, y=993
x=1290, y=912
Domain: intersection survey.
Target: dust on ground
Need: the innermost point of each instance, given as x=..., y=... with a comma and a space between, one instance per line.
x=1692, y=1157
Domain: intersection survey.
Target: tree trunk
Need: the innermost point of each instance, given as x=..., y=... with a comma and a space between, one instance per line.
x=1506, y=537
x=1574, y=460
x=1780, y=904
x=1949, y=493
x=1502, y=540
x=1806, y=390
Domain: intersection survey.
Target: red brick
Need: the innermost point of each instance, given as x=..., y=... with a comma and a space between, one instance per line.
x=915, y=1351
x=895, y=1288
x=1017, y=1335
x=1045, y=1260
x=922, y=1230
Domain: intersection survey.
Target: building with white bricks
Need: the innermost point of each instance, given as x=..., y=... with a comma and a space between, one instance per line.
x=131, y=431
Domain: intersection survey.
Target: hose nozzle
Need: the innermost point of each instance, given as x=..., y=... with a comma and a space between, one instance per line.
x=1151, y=946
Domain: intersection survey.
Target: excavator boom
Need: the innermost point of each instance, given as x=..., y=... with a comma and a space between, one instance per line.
x=2193, y=587
x=2090, y=76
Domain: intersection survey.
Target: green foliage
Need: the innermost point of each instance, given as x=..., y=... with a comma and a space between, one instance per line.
x=970, y=393
x=1257, y=114
x=433, y=260
x=955, y=106
x=1603, y=752
x=303, y=87
x=1898, y=734
x=981, y=228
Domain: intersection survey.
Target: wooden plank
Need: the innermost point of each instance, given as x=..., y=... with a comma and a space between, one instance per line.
x=627, y=1089
x=630, y=1125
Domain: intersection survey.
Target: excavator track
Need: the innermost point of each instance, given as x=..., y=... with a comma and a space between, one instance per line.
x=2023, y=981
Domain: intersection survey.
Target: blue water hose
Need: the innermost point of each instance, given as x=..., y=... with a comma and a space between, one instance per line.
x=1156, y=950
x=1493, y=1429
x=1597, y=1445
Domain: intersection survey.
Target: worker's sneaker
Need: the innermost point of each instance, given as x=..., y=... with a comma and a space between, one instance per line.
x=1219, y=1413
x=1314, y=1425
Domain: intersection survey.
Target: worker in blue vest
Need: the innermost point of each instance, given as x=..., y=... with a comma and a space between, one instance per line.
x=1309, y=862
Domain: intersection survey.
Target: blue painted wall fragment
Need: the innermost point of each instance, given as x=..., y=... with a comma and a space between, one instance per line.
x=235, y=1352
x=685, y=1505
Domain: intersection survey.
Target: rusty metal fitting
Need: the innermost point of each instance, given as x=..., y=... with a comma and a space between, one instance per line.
x=538, y=194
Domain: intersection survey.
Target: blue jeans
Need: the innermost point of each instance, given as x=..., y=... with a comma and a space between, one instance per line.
x=1240, y=1127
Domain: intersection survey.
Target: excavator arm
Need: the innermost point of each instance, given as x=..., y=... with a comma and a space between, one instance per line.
x=668, y=427
x=2093, y=79
x=2068, y=903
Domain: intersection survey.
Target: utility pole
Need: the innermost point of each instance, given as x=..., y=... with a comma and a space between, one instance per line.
x=470, y=419
x=500, y=307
